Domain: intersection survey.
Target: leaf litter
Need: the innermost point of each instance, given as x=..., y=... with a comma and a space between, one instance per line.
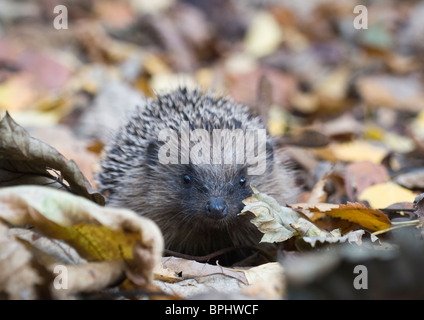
x=334, y=96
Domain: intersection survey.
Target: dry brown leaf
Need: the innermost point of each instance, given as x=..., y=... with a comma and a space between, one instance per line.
x=26, y=160
x=61, y=138
x=396, y=92
x=306, y=207
x=362, y=174
x=413, y=179
x=318, y=194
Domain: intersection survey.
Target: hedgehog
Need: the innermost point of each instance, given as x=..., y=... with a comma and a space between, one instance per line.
x=195, y=201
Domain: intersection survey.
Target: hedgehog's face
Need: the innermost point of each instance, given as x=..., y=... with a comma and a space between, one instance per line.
x=202, y=188
x=213, y=191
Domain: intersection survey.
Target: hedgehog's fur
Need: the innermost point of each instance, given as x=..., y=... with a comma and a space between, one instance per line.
x=132, y=176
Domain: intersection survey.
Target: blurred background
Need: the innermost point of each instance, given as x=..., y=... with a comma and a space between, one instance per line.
x=71, y=70
x=352, y=71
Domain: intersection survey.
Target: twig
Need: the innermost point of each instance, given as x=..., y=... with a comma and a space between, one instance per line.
x=397, y=225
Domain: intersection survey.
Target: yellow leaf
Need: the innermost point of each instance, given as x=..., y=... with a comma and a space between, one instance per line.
x=96, y=242
x=358, y=150
x=385, y=194
x=331, y=91
x=96, y=232
x=278, y=121
x=373, y=132
x=372, y=219
x=18, y=93
x=264, y=35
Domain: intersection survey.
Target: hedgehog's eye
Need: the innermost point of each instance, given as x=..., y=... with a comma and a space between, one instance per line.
x=186, y=178
x=242, y=181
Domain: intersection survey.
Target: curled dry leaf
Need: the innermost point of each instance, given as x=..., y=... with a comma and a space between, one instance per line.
x=26, y=160
x=89, y=277
x=281, y=223
x=273, y=220
x=97, y=233
x=71, y=273
x=46, y=250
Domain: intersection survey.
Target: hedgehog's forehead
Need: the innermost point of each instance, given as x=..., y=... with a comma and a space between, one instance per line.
x=211, y=172
x=216, y=171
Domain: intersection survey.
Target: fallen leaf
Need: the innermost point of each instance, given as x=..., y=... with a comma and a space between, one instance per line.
x=266, y=281
x=372, y=219
x=362, y=174
x=48, y=251
x=26, y=160
x=264, y=35
x=331, y=91
x=176, y=274
x=353, y=236
x=306, y=138
x=383, y=195
x=177, y=269
x=97, y=233
x=413, y=179
x=49, y=73
x=306, y=207
x=18, y=92
x=281, y=223
x=18, y=276
x=63, y=140
x=88, y=277
x=318, y=194
x=271, y=219
x=358, y=150
x=396, y=92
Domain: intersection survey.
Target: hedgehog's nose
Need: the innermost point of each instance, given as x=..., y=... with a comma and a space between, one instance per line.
x=216, y=208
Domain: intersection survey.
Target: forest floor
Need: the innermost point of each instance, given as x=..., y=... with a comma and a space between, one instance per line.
x=339, y=83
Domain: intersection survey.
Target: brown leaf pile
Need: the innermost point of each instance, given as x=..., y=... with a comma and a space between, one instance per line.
x=346, y=103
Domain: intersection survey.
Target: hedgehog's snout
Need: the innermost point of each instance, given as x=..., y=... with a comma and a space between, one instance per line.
x=216, y=208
